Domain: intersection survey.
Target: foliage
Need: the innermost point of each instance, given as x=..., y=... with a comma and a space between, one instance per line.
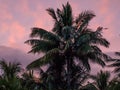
x=116, y=64
x=102, y=81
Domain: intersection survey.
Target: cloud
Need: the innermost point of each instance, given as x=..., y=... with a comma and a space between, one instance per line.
x=14, y=34
x=4, y=12
x=18, y=16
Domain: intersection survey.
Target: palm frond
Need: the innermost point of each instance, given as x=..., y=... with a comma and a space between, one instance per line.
x=57, y=28
x=86, y=15
x=102, y=79
x=96, y=58
x=100, y=41
x=82, y=39
x=96, y=48
x=33, y=42
x=50, y=55
x=38, y=32
x=52, y=37
x=97, y=38
x=117, y=53
x=83, y=19
x=86, y=64
x=116, y=64
x=117, y=70
x=65, y=18
x=67, y=15
x=51, y=12
x=40, y=45
x=43, y=34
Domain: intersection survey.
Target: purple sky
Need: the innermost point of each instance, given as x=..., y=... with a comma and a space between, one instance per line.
x=17, y=17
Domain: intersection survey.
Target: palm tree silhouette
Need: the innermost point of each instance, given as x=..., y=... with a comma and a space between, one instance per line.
x=69, y=41
x=9, y=78
x=101, y=80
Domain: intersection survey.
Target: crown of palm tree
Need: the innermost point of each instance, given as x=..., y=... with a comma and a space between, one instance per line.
x=69, y=40
x=68, y=36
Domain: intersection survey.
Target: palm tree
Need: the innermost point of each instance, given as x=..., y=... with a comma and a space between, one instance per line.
x=101, y=80
x=114, y=84
x=116, y=64
x=28, y=80
x=69, y=41
x=9, y=70
x=9, y=79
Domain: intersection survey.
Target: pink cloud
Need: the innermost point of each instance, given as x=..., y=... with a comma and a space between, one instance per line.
x=17, y=33
x=19, y=16
x=14, y=33
x=4, y=12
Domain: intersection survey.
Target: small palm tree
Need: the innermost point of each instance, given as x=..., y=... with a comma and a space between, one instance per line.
x=9, y=70
x=9, y=79
x=101, y=80
x=114, y=84
x=70, y=40
x=28, y=80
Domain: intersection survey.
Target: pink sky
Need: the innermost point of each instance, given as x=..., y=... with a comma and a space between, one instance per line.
x=17, y=17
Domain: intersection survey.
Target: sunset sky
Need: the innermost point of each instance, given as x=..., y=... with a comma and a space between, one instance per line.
x=17, y=17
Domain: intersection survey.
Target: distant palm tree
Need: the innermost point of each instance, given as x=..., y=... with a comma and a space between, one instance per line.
x=9, y=69
x=101, y=80
x=9, y=79
x=116, y=64
x=70, y=40
x=114, y=84
x=28, y=80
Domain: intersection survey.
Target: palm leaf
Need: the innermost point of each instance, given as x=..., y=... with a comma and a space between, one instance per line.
x=44, y=60
x=117, y=53
x=40, y=45
x=83, y=19
x=67, y=17
x=115, y=64
x=43, y=34
x=51, y=12
x=117, y=70
x=86, y=64
x=38, y=32
x=87, y=15
x=95, y=58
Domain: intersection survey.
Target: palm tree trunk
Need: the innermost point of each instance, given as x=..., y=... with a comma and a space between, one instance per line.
x=68, y=74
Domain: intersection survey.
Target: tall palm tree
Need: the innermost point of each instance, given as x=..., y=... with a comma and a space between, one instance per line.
x=69, y=41
x=116, y=64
